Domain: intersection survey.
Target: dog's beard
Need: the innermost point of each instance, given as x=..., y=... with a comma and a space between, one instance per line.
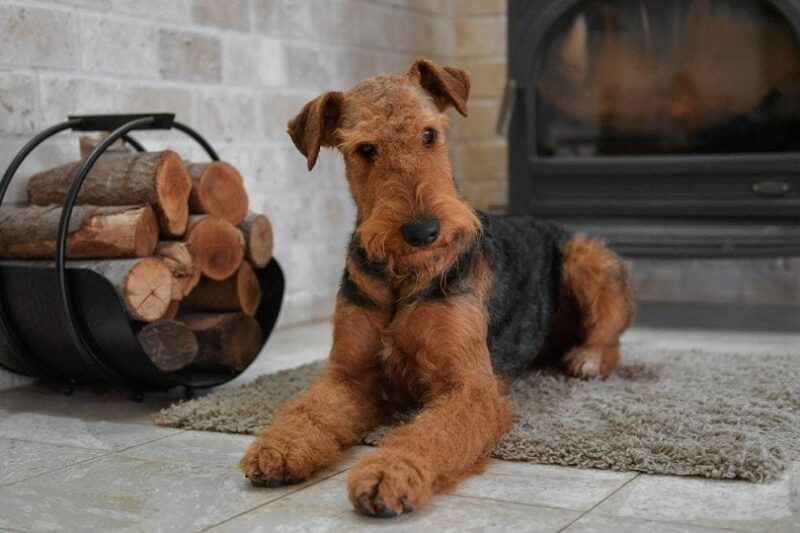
x=380, y=235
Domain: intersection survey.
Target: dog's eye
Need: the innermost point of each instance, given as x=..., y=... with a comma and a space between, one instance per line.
x=428, y=136
x=368, y=150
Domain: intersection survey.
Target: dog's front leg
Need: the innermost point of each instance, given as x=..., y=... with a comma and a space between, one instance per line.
x=464, y=415
x=345, y=402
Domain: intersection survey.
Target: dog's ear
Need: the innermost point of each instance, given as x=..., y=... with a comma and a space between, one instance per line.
x=316, y=125
x=447, y=85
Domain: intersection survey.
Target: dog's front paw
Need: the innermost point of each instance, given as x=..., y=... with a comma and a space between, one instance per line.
x=268, y=463
x=386, y=485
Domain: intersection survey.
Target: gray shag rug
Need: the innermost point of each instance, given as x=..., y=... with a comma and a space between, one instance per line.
x=689, y=413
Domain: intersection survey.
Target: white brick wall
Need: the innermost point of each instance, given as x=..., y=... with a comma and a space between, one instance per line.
x=236, y=70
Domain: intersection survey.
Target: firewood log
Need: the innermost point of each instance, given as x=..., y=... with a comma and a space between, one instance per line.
x=169, y=344
x=94, y=232
x=227, y=342
x=145, y=285
x=89, y=143
x=217, y=244
x=258, y=239
x=120, y=178
x=239, y=293
x=181, y=261
x=217, y=190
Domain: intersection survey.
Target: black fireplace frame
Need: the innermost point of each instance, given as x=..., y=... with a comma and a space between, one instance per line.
x=716, y=205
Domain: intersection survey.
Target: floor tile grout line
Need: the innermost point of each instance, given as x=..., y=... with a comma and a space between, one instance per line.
x=261, y=505
x=60, y=445
x=105, y=454
x=64, y=467
x=595, y=506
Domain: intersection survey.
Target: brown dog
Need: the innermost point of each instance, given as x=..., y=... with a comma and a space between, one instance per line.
x=440, y=306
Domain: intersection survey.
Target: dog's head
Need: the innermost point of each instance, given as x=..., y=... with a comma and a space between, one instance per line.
x=392, y=132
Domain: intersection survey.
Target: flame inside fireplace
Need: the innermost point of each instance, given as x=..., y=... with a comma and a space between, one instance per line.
x=685, y=76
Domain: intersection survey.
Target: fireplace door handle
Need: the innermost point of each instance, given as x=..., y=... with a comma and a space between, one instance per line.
x=506, y=107
x=772, y=188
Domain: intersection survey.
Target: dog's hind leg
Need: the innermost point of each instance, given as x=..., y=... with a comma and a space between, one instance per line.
x=597, y=306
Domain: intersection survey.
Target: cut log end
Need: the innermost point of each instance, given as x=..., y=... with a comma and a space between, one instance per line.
x=172, y=310
x=258, y=237
x=148, y=290
x=181, y=261
x=173, y=187
x=218, y=190
x=169, y=344
x=217, y=244
x=248, y=289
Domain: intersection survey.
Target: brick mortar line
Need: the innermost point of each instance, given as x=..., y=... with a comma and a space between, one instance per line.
x=482, y=17
x=406, y=9
x=496, y=141
x=483, y=59
x=170, y=82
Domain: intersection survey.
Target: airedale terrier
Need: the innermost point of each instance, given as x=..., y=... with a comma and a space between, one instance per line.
x=440, y=306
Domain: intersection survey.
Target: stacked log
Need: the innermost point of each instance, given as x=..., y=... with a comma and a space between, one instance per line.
x=108, y=232
x=238, y=293
x=175, y=239
x=218, y=245
x=217, y=190
x=158, y=179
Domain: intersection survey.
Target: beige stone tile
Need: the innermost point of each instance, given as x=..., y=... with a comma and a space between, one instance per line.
x=220, y=450
x=325, y=507
x=22, y=459
x=101, y=421
x=483, y=159
x=481, y=122
x=480, y=7
x=552, y=486
x=710, y=503
x=480, y=37
x=488, y=78
x=187, y=482
x=352, y=456
x=485, y=194
x=595, y=523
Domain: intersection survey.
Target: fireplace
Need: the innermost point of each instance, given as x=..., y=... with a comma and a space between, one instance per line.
x=671, y=128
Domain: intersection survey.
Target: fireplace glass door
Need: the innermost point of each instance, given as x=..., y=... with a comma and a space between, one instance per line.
x=654, y=77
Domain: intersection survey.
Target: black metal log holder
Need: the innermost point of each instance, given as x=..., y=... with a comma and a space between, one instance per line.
x=68, y=324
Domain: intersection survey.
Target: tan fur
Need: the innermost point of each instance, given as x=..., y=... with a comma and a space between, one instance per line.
x=598, y=306
x=399, y=351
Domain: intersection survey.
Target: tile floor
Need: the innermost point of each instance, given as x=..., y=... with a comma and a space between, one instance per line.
x=94, y=461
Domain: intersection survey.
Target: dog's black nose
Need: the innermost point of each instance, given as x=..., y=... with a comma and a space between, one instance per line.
x=421, y=232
